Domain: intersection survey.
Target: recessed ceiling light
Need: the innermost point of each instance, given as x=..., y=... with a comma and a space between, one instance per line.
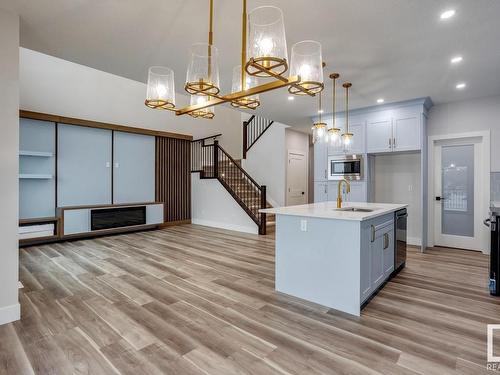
x=291, y=98
x=380, y=100
x=321, y=111
x=461, y=86
x=456, y=59
x=447, y=14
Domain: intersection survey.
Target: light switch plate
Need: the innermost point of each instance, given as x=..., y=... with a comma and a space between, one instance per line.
x=303, y=225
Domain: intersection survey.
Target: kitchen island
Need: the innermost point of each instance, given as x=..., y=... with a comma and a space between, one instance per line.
x=335, y=257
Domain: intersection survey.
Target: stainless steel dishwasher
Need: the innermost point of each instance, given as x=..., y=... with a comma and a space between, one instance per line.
x=400, y=227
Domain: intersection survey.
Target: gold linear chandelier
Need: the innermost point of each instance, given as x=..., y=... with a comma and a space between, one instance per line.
x=265, y=55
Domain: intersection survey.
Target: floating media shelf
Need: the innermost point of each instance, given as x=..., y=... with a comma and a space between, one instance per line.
x=35, y=176
x=36, y=154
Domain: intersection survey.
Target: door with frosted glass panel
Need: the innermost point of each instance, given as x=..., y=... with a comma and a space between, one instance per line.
x=456, y=196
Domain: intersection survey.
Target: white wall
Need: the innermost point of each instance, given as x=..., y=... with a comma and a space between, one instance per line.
x=397, y=180
x=56, y=86
x=213, y=206
x=467, y=116
x=9, y=164
x=266, y=163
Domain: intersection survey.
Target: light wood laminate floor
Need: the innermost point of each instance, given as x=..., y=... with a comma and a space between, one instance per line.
x=194, y=300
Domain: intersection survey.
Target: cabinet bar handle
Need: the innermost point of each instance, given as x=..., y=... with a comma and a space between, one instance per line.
x=326, y=175
x=386, y=240
x=390, y=142
x=394, y=142
x=373, y=233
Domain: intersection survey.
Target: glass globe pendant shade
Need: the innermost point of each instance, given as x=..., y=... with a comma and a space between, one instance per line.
x=249, y=102
x=334, y=138
x=319, y=132
x=307, y=62
x=203, y=70
x=160, y=93
x=206, y=113
x=267, y=51
x=347, y=141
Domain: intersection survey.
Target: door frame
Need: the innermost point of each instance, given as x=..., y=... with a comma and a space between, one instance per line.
x=306, y=156
x=484, y=173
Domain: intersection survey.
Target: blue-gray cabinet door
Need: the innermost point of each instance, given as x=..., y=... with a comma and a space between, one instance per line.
x=133, y=168
x=83, y=166
x=37, y=188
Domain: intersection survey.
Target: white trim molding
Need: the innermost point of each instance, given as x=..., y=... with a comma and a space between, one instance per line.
x=221, y=225
x=10, y=313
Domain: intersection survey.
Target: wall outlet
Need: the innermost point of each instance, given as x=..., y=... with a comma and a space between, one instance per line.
x=303, y=225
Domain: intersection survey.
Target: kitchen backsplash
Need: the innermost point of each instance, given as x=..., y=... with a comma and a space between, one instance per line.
x=495, y=186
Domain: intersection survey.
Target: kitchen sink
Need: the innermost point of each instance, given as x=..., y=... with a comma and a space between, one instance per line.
x=355, y=209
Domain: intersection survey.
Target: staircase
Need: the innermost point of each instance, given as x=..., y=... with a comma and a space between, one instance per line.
x=253, y=129
x=212, y=161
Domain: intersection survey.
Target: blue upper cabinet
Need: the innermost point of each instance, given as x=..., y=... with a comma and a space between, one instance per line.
x=133, y=168
x=84, y=166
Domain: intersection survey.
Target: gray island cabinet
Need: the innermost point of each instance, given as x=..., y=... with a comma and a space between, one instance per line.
x=334, y=257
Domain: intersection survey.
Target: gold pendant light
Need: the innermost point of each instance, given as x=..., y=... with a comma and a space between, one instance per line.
x=319, y=128
x=334, y=132
x=265, y=56
x=347, y=136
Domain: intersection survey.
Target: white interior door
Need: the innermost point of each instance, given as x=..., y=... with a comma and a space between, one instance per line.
x=459, y=194
x=296, y=192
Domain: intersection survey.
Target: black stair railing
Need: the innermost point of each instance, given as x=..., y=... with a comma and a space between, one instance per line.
x=212, y=161
x=253, y=129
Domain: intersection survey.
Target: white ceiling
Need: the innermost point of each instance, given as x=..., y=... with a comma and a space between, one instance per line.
x=395, y=49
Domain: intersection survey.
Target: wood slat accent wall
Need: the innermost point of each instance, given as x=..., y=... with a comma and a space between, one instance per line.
x=173, y=178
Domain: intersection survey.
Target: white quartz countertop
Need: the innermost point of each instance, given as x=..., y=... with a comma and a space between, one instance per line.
x=328, y=210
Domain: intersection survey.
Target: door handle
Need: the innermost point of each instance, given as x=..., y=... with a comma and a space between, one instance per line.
x=440, y=198
x=303, y=192
x=487, y=222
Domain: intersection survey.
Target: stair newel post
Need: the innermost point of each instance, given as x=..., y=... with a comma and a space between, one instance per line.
x=245, y=139
x=216, y=158
x=263, y=204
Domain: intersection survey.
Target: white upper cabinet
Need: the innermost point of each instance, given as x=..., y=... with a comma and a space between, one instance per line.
x=320, y=161
x=358, y=139
x=407, y=133
x=357, y=127
x=394, y=130
x=379, y=135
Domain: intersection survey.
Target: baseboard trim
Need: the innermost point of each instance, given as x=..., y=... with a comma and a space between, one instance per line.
x=216, y=224
x=10, y=313
x=177, y=222
x=415, y=241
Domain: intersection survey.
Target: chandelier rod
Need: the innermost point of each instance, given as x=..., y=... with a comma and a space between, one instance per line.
x=243, y=45
x=210, y=39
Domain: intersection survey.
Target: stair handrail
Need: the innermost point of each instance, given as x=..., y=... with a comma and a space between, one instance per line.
x=260, y=132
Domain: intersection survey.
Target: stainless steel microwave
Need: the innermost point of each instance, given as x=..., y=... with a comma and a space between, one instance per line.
x=349, y=167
